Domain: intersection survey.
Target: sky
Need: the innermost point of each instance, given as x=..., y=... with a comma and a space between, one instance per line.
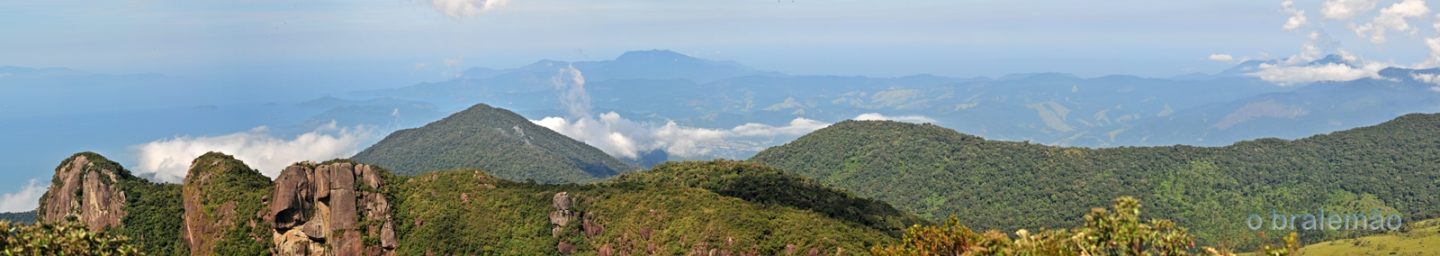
x=395, y=38
x=307, y=46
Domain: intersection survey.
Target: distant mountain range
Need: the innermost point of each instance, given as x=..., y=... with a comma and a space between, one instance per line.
x=1047, y=108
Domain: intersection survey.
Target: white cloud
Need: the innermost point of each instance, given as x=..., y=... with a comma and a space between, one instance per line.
x=170, y=159
x=1433, y=79
x=27, y=199
x=1222, y=57
x=1291, y=75
x=1345, y=9
x=1392, y=18
x=464, y=8
x=907, y=119
x=1297, y=17
x=1434, y=44
x=571, y=86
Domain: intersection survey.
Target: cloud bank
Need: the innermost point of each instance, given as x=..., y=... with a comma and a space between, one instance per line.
x=27, y=199
x=465, y=8
x=626, y=138
x=907, y=119
x=169, y=159
x=1291, y=75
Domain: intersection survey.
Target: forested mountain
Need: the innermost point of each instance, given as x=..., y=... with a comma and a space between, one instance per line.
x=937, y=172
x=495, y=139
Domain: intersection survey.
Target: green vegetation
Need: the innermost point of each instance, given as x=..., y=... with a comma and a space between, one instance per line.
x=230, y=196
x=488, y=138
x=18, y=217
x=1418, y=238
x=68, y=238
x=938, y=172
x=468, y=212
x=1118, y=231
x=154, y=217
x=759, y=184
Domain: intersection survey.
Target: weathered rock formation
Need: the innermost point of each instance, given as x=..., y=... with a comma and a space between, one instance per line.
x=562, y=217
x=86, y=187
x=224, y=200
x=331, y=209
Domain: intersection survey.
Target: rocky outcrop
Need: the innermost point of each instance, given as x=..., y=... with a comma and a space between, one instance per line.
x=565, y=214
x=85, y=187
x=562, y=215
x=331, y=209
x=223, y=200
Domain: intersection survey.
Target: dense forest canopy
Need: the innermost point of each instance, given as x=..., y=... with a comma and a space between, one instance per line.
x=936, y=172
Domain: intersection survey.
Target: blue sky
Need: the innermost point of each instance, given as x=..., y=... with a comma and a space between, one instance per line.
x=883, y=38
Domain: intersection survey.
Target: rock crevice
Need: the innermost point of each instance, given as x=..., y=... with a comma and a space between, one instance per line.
x=331, y=209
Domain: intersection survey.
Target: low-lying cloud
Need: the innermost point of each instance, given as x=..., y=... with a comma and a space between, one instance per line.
x=907, y=119
x=27, y=199
x=625, y=138
x=1292, y=75
x=169, y=159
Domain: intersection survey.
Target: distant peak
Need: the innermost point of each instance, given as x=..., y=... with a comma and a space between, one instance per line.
x=1330, y=59
x=654, y=55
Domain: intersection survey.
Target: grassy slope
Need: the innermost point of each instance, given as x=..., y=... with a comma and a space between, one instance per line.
x=1423, y=238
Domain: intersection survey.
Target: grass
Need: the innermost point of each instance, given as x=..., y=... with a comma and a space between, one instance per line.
x=1421, y=238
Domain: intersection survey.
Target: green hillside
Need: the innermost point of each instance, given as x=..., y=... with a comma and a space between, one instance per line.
x=671, y=210
x=1422, y=238
x=936, y=172
x=495, y=139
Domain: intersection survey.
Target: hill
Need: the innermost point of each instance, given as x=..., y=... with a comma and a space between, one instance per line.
x=495, y=139
x=937, y=172
x=673, y=209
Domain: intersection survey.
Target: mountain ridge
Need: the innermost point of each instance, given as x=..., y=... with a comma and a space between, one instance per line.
x=948, y=172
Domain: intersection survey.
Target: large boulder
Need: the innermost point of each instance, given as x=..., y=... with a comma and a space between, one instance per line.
x=329, y=203
x=85, y=187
